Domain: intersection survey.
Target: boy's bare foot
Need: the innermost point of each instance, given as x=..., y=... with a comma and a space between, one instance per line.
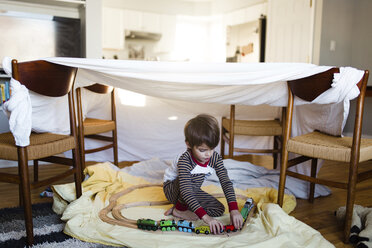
x=169, y=211
x=186, y=215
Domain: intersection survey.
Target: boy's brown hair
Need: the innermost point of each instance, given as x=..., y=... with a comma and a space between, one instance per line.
x=202, y=129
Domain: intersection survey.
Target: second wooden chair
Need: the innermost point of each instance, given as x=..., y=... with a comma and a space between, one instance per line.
x=231, y=127
x=95, y=128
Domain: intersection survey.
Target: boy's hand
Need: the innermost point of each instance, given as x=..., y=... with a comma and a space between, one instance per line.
x=236, y=219
x=215, y=226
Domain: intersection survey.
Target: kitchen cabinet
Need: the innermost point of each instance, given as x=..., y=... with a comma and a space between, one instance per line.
x=141, y=21
x=168, y=31
x=113, y=31
x=132, y=20
x=151, y=22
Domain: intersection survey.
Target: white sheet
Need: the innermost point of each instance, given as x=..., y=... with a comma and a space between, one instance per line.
x=222, y=83
x=18, y=109
x=183, y=90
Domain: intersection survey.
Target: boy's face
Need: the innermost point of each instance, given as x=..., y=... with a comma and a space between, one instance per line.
x=202, y=153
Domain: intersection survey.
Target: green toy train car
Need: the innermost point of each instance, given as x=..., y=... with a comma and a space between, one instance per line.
x=168, y=225
x=147, y=224
x=247, y=208
x=186, y=226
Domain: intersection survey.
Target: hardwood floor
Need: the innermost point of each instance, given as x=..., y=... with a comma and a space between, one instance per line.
x=319, y=215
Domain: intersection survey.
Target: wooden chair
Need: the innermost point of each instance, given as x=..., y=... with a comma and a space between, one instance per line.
x=317, y=145
x=94, y=128
x=50, y=80
x=231, y=127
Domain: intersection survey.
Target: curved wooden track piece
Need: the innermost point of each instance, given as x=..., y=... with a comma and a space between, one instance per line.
x=103, y=214
x=115, y=209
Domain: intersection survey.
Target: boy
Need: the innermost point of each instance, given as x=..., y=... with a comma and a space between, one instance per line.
x=183, y=180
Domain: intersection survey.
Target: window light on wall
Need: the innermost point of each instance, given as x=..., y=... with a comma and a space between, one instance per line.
x=131, y=98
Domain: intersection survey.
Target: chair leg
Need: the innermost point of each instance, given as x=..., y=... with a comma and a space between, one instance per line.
x=231, y=146
x=26, y=193
x=82, y=155
x=115, y=148
x=222, y=153
x=20, y=194
x=275, y=155
x=314, y=163
x=282, y=178
x=36, y=170
x=232, y=131
x=80, y=130
x=20, y=191
x=78, y=171
x=353, y=170
x=284, y=157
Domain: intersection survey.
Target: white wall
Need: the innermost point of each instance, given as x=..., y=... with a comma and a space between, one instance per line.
x=348, y=24
x=361, y=56
x=337, y=27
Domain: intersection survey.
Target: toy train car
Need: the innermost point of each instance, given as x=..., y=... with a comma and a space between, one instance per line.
x=248, y=206
x=229, y=228
x=185, y=226
x=202, y=229
x=147, y=224
x=207, y=230
x=188, y=226
x=167, y=225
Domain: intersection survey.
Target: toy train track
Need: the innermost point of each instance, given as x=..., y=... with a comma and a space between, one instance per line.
x=164, y=225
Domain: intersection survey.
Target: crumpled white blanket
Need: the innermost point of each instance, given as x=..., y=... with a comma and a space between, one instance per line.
x=18, y=109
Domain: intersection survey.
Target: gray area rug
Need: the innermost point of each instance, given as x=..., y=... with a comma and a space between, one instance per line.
x=48, y=229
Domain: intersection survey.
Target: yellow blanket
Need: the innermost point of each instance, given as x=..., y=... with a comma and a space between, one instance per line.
x=271, y=226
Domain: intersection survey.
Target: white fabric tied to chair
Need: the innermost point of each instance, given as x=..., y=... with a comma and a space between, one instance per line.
x=18, y=108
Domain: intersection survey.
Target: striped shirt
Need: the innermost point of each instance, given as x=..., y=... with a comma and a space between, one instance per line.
x=191, y=183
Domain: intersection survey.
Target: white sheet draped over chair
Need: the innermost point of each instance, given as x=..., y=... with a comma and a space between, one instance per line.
x=184, y=89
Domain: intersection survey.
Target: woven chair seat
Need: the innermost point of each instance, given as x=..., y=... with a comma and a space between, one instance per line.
x=255, y=128
x=41, y=145
x=94, y=126
x=323, y=146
